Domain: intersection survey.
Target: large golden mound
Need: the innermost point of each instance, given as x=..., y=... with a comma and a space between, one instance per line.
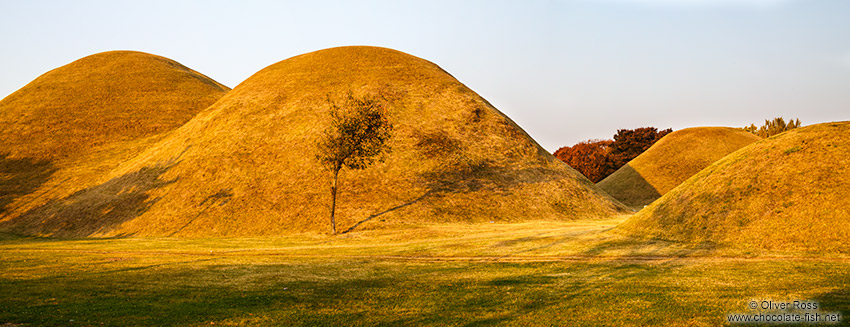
x=671, y=161
x=102, y=98
x=66, y=129
x=787, y=192
x=247, y=165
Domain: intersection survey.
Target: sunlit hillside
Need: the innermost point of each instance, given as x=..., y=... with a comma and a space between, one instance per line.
x=106, y=97
x=786, y=192
x=671, y=161
x=68, y=128
x=247, y=165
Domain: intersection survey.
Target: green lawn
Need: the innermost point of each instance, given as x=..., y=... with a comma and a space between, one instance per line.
x=539, y=274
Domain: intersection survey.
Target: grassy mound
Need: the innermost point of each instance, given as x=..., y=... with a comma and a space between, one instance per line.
x=787, y=192
x=106, y=97
x=247, y=165
x=66, y=129
x=671, y=161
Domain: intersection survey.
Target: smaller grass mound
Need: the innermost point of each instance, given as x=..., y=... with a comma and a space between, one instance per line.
x=65, y=130
x=788, y=192
x=671, y=161
x=114, y=96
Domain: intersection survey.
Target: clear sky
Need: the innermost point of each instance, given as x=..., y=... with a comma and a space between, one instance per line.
x=566, y=71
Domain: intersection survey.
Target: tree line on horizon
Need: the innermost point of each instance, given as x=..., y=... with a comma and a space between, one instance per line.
x=596, y=159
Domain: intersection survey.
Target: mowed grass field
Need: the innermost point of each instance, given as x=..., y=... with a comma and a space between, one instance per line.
x=529, y=274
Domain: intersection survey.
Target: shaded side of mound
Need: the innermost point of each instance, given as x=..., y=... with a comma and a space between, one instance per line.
x=671, y=161
x=787, y=192
x=247, y=166
x=106, y=97
x=67, y=129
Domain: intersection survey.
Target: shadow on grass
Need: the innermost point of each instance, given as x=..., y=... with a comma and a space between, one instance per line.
x=468, y=178
x=19, y=177
x=605, y=245
x=538, y=294
x=98, y=209
x=220, y=198
x=353, y=227
x=837, y=301
x=485, y=176
x=357, y=292
x=555, y=240
x=600, y=243
x=632, y=189
x=276, y=294
x=620, y=246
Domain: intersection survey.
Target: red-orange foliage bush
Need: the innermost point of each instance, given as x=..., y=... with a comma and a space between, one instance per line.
x=589, y=158
x=597, y=159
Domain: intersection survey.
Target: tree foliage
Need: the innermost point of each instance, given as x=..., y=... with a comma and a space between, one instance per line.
x=591, y=158
x=356, y=138
x=773, y=127
x=596, y=159
x=630, y=143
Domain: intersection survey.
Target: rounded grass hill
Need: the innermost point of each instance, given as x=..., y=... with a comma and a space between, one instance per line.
x=248, y=166
x=66, y=129
x=672, y=160
x=788, y=192
x=106, y=97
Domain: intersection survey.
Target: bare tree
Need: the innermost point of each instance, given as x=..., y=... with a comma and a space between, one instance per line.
x=356, y=138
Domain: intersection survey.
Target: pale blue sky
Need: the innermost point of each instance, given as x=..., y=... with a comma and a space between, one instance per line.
x=566, y=71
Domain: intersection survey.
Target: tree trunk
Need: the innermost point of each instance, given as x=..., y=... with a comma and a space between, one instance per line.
x=333, y=202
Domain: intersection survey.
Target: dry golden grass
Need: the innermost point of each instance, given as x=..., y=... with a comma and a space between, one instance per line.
x=787, y=192
x=103, y=98
x=247, y=165
x=569, y=273
x=671, y=161
x=68, y=128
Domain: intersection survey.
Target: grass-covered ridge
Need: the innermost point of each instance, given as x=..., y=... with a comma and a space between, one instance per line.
x=671, y=161
x=247, y=165
x=789, y=191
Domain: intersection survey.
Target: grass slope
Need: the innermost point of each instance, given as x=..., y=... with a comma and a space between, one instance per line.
x=247, y=165
x=68, y=128
x=671, y=161
x=789, y=191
